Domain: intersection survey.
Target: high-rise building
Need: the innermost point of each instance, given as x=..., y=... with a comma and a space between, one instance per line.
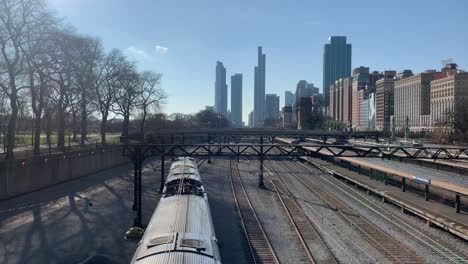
x=271, y=106
x=236, y=100
x=412, y=99
x=384, y=96
x=220, y=105
x=288, y=98
x=251, y=119
x=360, y=81
x=259, y=89
x=336, y=63
x=449, y=97
x=287, y=116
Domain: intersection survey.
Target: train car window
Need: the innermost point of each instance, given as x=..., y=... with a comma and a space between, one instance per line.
x=197, y=244
x=160, y=241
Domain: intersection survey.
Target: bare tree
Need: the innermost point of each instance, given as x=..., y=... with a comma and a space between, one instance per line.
x=18, y=18
x=151, y=95
x=127, y=95
x=87, y=53
x=107, y=80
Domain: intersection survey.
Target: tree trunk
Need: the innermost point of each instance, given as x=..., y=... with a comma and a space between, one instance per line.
x=37, y=135
x=74, y=126
x=61, y=128
x=142, y=125
x=11, y=128
x=103, y=129
x=125, y=125
x=84, y=119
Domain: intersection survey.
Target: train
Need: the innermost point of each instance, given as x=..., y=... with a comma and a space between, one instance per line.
x=181, y=228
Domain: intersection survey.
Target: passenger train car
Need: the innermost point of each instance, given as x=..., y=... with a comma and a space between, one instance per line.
x=181, y=229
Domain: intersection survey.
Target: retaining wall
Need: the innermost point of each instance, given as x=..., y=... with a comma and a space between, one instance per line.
x=29, y=174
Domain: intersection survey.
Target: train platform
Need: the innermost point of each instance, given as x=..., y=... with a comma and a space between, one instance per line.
x=433, y=212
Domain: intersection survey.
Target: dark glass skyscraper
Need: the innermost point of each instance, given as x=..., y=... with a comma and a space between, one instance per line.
x=259, y=90
x=220, y=105
x=336, y=63
x=271, y=106
x=236, y=100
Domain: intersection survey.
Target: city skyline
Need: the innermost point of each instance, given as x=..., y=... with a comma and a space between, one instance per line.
x=185, y=54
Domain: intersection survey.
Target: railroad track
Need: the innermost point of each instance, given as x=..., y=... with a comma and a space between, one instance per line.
x=261, y=249
x=313, y=244
x=392, y=249
x=444, y=250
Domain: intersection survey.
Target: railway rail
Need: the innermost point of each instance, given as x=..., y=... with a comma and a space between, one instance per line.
x=446, y=251
x=394, y=250
x=260, y=247
x=314, y=245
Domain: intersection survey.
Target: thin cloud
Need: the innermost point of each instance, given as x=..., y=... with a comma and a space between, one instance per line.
x=132, y=50
x=161, y=49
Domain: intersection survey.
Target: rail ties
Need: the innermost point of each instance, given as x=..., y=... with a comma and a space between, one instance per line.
x=313, y=244
x=393, y=249
x=261, y=249
x=443, y=249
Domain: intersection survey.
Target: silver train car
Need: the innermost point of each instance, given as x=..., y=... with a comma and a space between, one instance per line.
x=181, y=229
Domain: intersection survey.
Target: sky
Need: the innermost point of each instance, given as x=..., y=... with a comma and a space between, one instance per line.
x=184, y=39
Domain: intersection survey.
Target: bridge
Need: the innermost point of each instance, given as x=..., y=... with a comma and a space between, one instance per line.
x=226, y=143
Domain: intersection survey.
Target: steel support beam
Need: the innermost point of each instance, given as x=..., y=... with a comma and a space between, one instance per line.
x=403, y=184
x=426, y=192
x=457, y=203
x=260, y=182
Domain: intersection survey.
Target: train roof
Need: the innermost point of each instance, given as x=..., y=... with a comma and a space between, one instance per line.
x=184, y=162
x=179, y=224
x=183, y=173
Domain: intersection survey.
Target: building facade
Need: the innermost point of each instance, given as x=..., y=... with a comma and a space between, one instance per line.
x=384, y=97
x=236, y=100
x=412, y=99
x=359, y=84
x=259, y=89
x=220, y=105
x=449, y=97
x=272, y=106
x=251, y=119
x=287, y=116
x=289, y=98
x=336, y=63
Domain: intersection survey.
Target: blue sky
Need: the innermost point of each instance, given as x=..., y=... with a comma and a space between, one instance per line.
x=184, y=39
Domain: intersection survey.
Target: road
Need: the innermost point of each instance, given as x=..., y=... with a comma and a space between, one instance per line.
x=71, y=222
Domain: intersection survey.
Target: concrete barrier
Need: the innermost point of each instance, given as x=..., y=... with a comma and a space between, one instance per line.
x=29, y=174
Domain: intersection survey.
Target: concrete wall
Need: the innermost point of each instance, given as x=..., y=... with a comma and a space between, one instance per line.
x=25, y=175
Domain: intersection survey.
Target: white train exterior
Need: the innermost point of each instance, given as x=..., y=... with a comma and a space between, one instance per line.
x=181, y=229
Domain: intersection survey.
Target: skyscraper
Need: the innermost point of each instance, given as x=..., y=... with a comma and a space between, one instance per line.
x=288, y=98
x=336, y=63
x=271, y=106
x=220, y=105
x=236, y=100
x=259, y=90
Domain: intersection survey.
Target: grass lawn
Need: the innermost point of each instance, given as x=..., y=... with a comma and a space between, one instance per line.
x=25, y=140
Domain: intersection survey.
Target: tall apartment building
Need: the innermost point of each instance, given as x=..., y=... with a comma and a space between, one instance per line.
x=336, y=63
x=236, y=100
x=250, y=122
x=412, y=99
x=259, y=89
x=289, y=98
x=271, y=106
x=384, y=95
x=449, y=95
x=220, y=105
x=359, y=84
x=347, y=84
x=287, y=116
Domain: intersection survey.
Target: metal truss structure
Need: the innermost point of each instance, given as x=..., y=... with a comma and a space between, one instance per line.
x=138, y=153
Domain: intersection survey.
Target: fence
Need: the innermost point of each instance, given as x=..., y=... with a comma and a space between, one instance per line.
x=24, y=175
